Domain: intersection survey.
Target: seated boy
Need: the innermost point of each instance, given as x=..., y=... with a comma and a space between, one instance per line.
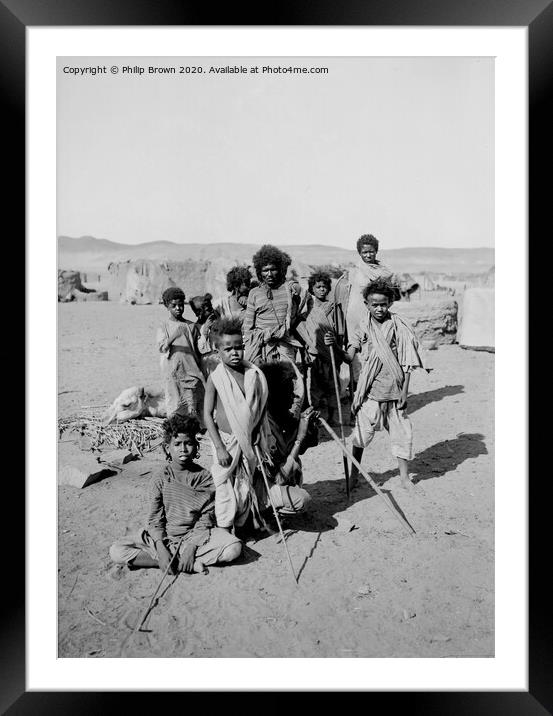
x=181, y=512
x=290, y=438
x=389, y=351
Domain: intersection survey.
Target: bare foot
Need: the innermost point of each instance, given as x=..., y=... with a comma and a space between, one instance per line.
x=200, y=568
x=117, y=571
x=406, y=484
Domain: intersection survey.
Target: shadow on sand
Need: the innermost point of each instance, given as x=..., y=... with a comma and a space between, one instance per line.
x=419, y=400
x=248, y=556
x=329, y=495
x=415, y=402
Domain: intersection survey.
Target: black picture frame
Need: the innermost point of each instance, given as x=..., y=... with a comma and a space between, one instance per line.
x=537, y=16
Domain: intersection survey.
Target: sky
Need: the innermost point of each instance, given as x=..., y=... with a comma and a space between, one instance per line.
x=402, y=148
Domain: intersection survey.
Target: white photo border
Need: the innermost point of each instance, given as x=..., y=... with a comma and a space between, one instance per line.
x=507, y=671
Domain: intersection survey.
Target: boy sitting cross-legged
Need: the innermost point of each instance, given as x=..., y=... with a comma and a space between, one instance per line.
x=182, y=504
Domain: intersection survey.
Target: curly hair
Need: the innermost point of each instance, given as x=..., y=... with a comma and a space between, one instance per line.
x=196, y=302
x=172, y=293
x=180, y=425
x=317, y=276
x=225, y=327
x=268, y=254
x=382, y=286
x=237, y=276
x=367, y=240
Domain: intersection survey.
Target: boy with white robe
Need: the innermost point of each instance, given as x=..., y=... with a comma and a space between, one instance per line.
x=236, y=419
x=234, y=414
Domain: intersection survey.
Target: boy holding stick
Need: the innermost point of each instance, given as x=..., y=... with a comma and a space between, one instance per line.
x=322, y=315
x=389, y=352
x=181, y=535
x=235, y=414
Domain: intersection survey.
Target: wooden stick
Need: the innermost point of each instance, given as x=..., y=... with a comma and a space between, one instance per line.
x=145, y=613
x=406, y=526
x=337, y=391
x=308, y=384
x=95, y=617
x=262, y=468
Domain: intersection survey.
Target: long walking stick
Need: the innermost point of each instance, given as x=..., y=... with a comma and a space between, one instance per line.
x=340, y=328
x=406, y=526
x=262, y=468
x=145, y=613
x=337, y=391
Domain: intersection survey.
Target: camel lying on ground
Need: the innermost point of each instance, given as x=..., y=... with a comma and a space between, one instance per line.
x=136, y=402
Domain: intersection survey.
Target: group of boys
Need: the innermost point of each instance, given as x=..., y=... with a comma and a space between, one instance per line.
x=251, y=398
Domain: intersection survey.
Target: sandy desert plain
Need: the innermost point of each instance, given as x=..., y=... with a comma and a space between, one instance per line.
x=366, y=589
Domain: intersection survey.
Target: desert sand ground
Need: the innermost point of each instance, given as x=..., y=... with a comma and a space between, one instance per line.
x=365, y=588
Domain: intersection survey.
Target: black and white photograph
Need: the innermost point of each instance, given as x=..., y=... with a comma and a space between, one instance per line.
x=275, y=357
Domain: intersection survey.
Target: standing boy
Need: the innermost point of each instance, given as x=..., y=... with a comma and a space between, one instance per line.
x=206, y=316
x=177, y=341
x=389, y=352
x=239, y=283
x=323, y=315
x=234, y=415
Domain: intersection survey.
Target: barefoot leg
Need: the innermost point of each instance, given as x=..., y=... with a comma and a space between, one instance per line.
x=357, y=453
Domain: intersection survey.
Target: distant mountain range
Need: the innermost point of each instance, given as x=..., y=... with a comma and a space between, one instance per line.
x=88, y=254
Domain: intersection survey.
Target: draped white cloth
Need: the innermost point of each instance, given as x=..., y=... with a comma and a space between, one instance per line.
x=247, y=419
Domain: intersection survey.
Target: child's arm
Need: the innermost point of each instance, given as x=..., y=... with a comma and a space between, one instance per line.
x=223, y=456
x=198, y=535
x=156, y=525
x=165, y=339
x=347, y=356
x=402, y=402
x=161, y=340
x=307, y=415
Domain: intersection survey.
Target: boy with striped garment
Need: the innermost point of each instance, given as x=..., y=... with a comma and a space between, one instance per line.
x=182, y=506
